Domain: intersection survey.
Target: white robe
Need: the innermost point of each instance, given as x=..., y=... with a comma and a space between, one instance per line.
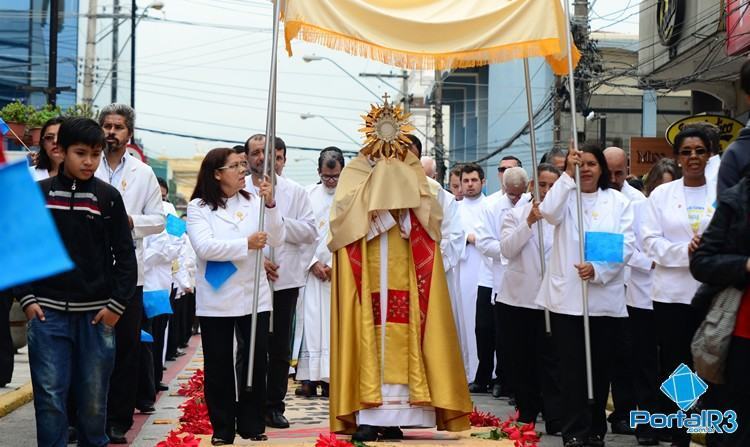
x=468, y=273
x=315, y=322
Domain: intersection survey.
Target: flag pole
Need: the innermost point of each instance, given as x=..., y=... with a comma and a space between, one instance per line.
x=581, y=235
x=269, y=149
x=535, y=173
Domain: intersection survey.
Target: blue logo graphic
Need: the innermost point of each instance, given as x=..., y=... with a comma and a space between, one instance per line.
x=684, y=387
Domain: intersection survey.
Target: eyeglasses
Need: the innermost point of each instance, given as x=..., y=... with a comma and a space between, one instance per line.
x=240, y=166
x=328, y=178
x=50, y=138
x=697, y=151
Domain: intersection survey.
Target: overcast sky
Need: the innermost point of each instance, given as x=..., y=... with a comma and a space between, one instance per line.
x=210, y=78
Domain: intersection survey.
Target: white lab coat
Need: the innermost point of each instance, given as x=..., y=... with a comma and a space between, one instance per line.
x=666, y=234
x=519, y=244
x=486, y=278
x=638, y=271
x=221, y=235
x=300, y=232
x=488, y=236
x=142, y=197
x=561, y=288
x=712, y=170
x=159, y=252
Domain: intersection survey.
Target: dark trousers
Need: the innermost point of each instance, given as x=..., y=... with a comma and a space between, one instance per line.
x=225, y=411
x=6, y=342
x=146, y=381
x=623, y=389
x=645, y=358
x=580, y=418
x=531, y=364
x=174, y=333
x=675, y=326
x=159, y=326
x=188, y=316
x=484, y=330
x=123, y=384
x=280, y=347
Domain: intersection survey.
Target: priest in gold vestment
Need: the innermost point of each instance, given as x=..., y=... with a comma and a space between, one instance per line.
x=395, y=357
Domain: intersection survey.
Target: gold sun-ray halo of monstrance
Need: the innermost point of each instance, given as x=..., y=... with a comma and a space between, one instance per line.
x=385, y=131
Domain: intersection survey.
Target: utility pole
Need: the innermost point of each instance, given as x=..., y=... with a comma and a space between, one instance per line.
x=89, y=60
x=133, y=9
x=54, y=23
x=115, y=47
x=405, y=90
x=439, y=150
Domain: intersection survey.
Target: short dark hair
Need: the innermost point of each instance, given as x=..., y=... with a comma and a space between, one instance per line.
x=745, y=77
x=548, y=167
x=594, y=149
x=712, y=131
x=553, y=153
x=80, y=130
x=43, y=162
x=256, y=137
x=240, y=149
x=163, y=183
x=468, y=168
x=279, y=144
x=456, y=170
x=207, y=188
x=416, y=142
x=691, y=132
x=329, y=156
x=510, y=157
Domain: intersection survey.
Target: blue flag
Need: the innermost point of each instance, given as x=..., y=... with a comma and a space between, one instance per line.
x=4, y=128
x=156, y=302
x=146, y=337
x=30, y=246
x=175, y=225
x=604, y=247
x=217, y=272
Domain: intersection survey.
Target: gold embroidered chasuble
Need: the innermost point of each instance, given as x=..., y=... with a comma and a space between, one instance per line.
x=421, y=346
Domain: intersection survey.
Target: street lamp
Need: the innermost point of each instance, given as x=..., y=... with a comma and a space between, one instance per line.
x=157, y=5
x=305, y=116
x=312, y=58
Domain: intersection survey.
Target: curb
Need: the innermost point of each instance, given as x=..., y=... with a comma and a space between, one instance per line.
x=14, y=399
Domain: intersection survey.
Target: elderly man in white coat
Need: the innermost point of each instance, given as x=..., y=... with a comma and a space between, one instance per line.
x=515, y=183
x=530, y=360
x=140, y=191
x=286, y=269
x=313, y=366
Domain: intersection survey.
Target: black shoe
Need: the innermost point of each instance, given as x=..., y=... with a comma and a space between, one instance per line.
x=476, y=388
x=220, y=441
x=574, y=442
x=596, y=441
x=647, y=439
x=276, y=419
x=72, y=435
x=306, y=389
x=392, y=433
x=179, y=353
x=324, y=389
x=146, y=409
x=622, y=427
x=256, y=437
x=162, y=387
x=497, y=390
x=365, y=433
x=116, y=436
x=512, y=402
x=553, y=428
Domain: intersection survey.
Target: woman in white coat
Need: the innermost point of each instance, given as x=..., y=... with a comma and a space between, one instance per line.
x=223, y=229
x=677, y=214
x=604, y=210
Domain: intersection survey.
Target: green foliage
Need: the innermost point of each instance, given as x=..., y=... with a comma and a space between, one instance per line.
x=493, y=435
x=16, y=112
x=81, y=110
x=41, y=116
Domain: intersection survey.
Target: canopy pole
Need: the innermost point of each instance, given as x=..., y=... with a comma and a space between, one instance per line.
x=581, y=235
x=535, y=173
x=268, y=151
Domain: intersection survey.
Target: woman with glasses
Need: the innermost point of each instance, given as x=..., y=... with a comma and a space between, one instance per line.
x=223, y=228
x=677, y=214
x=50, y=156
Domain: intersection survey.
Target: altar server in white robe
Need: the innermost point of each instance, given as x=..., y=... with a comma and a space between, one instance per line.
x=472, y=181
x=531, y=361
x=314, y=358
x=607, y=211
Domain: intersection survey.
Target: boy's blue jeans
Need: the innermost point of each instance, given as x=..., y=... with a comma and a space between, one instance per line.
x=68, y=353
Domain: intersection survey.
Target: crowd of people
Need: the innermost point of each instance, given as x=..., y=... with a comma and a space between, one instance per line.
x=511, y=263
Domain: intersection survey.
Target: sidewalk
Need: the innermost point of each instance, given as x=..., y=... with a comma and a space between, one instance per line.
x=18, y=391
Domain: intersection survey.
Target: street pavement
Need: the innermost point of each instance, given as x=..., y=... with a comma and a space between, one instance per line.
x=308, y=417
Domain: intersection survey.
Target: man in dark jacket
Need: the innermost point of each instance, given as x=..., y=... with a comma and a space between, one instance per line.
x=72, y=315
x=736, y=158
